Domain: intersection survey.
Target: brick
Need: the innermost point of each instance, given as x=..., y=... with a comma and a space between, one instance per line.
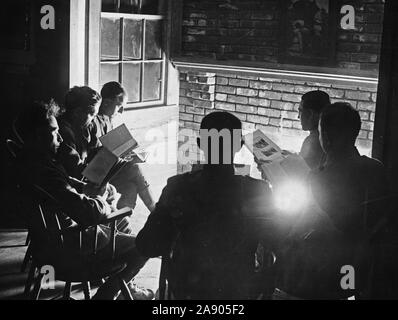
x=290, y=115
x=203, y=104
x=247, y=92
x=282, y=105
x=186, y=117
x=207, y=96
x=258, y=119
x=226, y=89
x=225, y=106
x=237, y=99
x=270, y=95
x=335, y=93
x=198, y=118
x=246, y=109
x=374, y=97
x=193, y=110
x=302, y=89
x=186, y=101
x=260, y=85
x=194, y=94
x=207, y=80
x=192, y=125
x=370, y=135
x=269, y=112
x=291, y=97
x=275, y=122
x=364, y=115
x=283, y=87
x=372, y=116
x=358, y=95
x=222, y=81
x=239, y=82
x=367, y=125
x=259, y=102
x=221, y=97
x=367, y=106
x=363, y=134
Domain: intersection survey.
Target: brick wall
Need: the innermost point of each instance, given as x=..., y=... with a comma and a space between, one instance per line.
x=211, y=29
x=261, y=103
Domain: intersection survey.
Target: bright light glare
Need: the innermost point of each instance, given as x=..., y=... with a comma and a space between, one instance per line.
x=291, y=197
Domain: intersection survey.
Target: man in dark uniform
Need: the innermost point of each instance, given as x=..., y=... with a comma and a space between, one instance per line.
x=212, y=221
x=353, y=191
x=350, y=222
x=311, y=106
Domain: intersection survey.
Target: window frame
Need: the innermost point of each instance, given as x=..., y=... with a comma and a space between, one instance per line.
x=163, y=60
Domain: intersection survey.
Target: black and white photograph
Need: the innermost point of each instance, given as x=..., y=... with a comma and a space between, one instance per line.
x=213, y=153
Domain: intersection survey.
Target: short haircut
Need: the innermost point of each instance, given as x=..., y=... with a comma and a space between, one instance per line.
x=341, y=120
x=111, y=90
x=81, y=98
x=35, y=116
x=315, y=100
x=220, y=121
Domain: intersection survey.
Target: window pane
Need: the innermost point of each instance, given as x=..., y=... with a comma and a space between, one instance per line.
x=110, y=30
x=109, y=6
x=132, y=39
x=109, y=72
x=131, y=80
x=153, y=36
x=152, y=81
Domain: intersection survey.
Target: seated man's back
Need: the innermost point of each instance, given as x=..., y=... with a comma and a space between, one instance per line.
x=211, y=220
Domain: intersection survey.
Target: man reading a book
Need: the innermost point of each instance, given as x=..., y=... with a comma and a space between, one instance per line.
x=81, y=203
x=129, y=181
x=77, y=129
x=211, y=221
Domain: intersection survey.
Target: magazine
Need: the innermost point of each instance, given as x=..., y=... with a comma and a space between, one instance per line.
x=118, y=148
x=277, y=165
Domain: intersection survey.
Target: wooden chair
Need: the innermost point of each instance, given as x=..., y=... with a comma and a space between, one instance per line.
x=14, y=148
x=45, y=224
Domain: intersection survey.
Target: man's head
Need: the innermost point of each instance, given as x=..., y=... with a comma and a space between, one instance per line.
x=38, y=127
x=114, y=98
x=220, y=137
x=81, y=105
x=339, y=127
x=311, y=106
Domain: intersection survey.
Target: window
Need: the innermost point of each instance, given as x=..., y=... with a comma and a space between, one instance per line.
x=132, y=51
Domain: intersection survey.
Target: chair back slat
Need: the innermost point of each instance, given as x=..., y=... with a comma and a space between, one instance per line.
x=13, y=148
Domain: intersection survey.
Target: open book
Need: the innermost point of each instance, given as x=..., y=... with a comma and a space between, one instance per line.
x=118, y=148
x=277, y=166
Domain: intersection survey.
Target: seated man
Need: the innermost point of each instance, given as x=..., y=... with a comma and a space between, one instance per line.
x=129, y=181
x=350, y=192
x=311, y=106
x=81, y=203
x=77, y=130
x=211, y=220
x=353, y=191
